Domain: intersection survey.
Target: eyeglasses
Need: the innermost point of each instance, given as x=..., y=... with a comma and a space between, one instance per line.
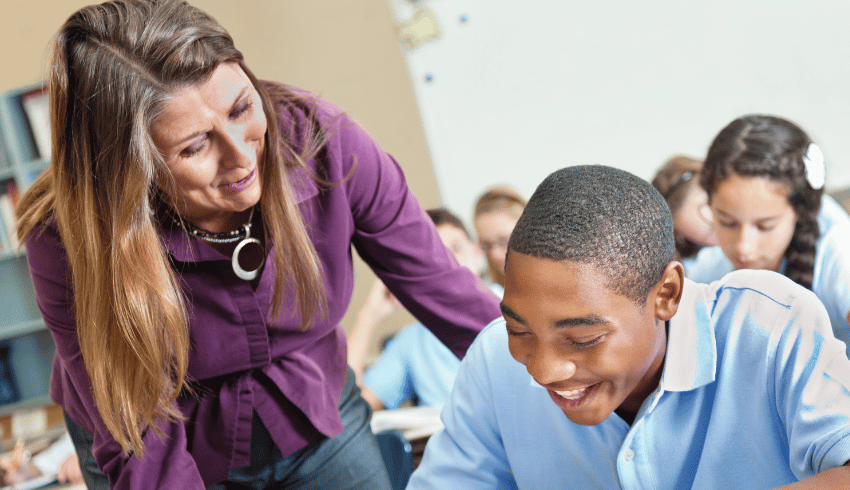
x=501, y=243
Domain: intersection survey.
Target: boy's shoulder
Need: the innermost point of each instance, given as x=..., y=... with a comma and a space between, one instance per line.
x=764, y=298
x=490, y=340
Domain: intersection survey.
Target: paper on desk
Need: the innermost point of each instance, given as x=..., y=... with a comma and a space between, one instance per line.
x=32, y=483
x=414, y=422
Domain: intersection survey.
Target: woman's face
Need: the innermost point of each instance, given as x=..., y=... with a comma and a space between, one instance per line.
x=693, y=218
x=212, y=138
x=494, y=230
x=754, y=221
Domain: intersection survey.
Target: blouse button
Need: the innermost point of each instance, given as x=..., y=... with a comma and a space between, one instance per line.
x=630, y=455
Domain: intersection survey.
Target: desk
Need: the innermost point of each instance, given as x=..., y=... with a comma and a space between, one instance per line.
x=57, y=486
x=416, y=423
x=67, y=486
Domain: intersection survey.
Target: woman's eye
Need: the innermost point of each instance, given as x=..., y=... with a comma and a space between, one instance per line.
x=726, y=224
x=241, y=108
x=194, y=149
x=765, y=228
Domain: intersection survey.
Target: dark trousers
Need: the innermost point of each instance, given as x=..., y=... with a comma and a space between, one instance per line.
x=349, y=461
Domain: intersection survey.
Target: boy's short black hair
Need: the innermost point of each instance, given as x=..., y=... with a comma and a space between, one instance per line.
x=442, y=216
x=603, y=217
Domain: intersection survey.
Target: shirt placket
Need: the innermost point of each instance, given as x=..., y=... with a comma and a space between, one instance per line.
x=634, y=462
x=256, y=333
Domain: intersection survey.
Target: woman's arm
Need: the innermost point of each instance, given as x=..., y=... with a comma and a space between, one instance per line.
x=395, y=237
x=834, y=478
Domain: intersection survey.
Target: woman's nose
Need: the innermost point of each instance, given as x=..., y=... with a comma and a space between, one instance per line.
x=239, y=147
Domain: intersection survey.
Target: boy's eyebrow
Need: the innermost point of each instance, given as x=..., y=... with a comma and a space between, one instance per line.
x=583, y=321
x=512, y=314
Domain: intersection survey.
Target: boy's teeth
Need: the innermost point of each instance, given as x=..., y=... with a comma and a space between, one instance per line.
x=572, y=394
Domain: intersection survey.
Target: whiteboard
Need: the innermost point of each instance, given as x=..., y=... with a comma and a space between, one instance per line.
x=513, y=90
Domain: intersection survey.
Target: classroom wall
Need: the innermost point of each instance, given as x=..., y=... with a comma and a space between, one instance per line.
x=345, y=50
x=511, y=91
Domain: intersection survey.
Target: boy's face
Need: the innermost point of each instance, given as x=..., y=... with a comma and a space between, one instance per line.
x=594, y=350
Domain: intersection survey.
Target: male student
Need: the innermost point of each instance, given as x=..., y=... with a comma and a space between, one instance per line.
x=611, y=370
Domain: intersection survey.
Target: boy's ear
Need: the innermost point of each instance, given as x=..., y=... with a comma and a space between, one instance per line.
x=668, y=291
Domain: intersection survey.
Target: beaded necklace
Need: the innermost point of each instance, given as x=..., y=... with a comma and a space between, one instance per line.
x=241, y=235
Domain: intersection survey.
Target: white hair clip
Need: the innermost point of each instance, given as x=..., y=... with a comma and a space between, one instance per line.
x=815, y=170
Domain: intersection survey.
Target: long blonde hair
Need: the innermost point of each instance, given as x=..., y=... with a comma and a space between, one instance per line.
x=114, y=66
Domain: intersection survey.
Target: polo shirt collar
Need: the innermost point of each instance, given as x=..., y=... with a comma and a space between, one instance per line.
x=691, y=360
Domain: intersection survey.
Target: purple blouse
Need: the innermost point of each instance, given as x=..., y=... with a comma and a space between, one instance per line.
x=243, y=360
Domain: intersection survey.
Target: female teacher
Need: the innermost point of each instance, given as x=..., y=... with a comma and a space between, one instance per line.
x=190, y=248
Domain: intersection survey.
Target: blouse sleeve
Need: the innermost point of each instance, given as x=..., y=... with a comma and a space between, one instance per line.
x=166, y=463
x=398, y=240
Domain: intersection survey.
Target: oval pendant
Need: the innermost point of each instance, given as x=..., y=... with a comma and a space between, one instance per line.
x=237, y=268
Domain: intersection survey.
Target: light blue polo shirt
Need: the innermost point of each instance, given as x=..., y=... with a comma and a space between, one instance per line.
x=755, y=394
x=831, y=282
x=415, y=362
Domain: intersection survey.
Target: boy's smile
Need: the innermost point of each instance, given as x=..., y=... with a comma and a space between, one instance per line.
x=594, y=350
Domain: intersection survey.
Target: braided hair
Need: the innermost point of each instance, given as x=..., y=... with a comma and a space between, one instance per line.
x=774, y=148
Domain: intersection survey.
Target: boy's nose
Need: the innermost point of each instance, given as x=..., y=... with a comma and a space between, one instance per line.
x=549, y=368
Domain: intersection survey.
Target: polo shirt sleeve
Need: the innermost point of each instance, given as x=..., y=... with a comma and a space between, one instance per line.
x=832, y=279
x=812, y=389
x=398, y=240
x=468, y=452
x=166, y=463
x=389, y=376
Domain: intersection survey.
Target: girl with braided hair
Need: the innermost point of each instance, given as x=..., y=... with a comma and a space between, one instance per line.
x=764, y=177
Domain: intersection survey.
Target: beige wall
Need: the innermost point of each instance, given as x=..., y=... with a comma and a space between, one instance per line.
x=344, y=49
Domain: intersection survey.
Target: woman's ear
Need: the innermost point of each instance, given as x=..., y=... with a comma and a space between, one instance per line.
x=668, y=291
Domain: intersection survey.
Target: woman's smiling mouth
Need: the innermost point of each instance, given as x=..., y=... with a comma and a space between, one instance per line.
x=243, y=184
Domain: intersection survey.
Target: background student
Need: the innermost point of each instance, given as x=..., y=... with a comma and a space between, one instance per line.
x=190, y=248
x=413, y=364
x=678, y=181
x=611, y=370
x=496, y=212
x=60, y=459
x=765, y=177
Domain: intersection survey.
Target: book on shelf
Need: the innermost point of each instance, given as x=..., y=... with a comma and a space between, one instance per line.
x=8, y=385
x=8, y=203
x=35, y=106
x=4, y=158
